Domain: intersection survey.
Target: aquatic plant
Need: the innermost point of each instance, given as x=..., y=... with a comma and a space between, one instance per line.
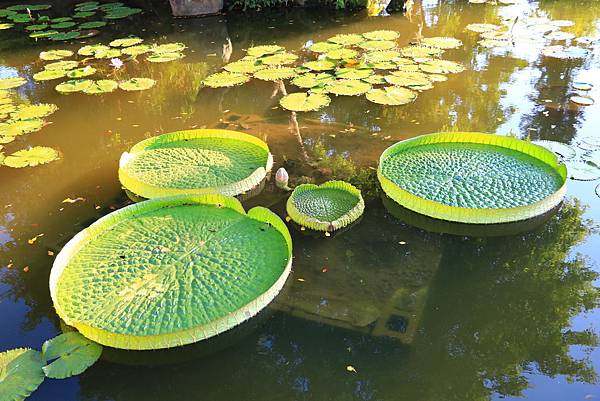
x=225, y=162
x=69, y=354
x=304, y=101
x=31, y=157
x=326, y=207
x=432, y=175
x=21, y=373
x=231, y=264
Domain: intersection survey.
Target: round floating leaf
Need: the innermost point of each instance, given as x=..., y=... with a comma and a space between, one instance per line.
x=223, y=268
x=353, y=73
x=63, y=25
x=83, y=14
x=225, y=162
x=279, y=59
x=31, y=7
x=22, y=373
x=310, y=80
x=62, y=65
x=564, y=151
x=74, y=85
x=164, y=57
x=472, y=177
x=442, y=42
x=65, y=35
x=36, y=27
x=324, y=47
x=69, y=354
x=391, y=95
x=410, y=79
x=480, y=28
x=582, y=171
x=225, y=79
x=339, y=54
x=382, y=35
x=42, y=34
x=327, y=207
x=348, y=87
x=52, y=55
x=592, y=157
x=263, y=50
x=385, y=65
x=110, y=6
x=90, y=50
x=347, y=39
x=377, y=45
x=243, y=67
x=6, y=13
x=169, y=48
x=136, y=50
x=560, y=36
x=127, y=42
x=81, y=72
x=87, y=8
x=437, y=78
x=31, y=157
x=375, y=80
x=9, y=83
x=92, y=24
x=420, y=51
x=275, y=73
x=582, y=86
x=101, y=86
x=6, y=25
x=382, y=56
x=496, y=35
x=582, y=100
x=121, y=12
x=320, y=65
x=564, y=52
x=33, y=111
x=441, y=67
x=16, y=128
x=304, y=102
x=107, y=53
x=20, y=18
x=492, y=43
x=137, y=84
x=47, y=75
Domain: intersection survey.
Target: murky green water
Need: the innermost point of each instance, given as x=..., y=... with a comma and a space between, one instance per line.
x=417, y=315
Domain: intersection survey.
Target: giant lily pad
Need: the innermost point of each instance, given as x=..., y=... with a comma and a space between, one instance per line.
x=326, y=207
x=137, y=84
x=9, y=83
x=196, y=161
x=31, y=157
x=304, y=101
x=21, y=373
x=172, y=271
x=472, y=177
x=69, y=354
x=392, y=96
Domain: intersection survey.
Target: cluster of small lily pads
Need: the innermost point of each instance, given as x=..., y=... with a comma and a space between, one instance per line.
x=371, y=64
x=79, y=70
x=84, y=22
x=21, y=119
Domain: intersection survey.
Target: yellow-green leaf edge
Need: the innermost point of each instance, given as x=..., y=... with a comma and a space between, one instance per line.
x=233, y=189
x=471, y=215
x=319, y=225
x=177, y=338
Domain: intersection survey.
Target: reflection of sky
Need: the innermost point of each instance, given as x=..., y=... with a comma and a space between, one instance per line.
x=5, y=236
x=8, y=72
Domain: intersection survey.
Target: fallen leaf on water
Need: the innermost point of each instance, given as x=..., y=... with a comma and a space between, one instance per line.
x=324, y=270
x=50, y=253
x=69, y=200
x=350, y=368
x=402, y=242
x=301, y=280
x=32, y=240
x=26, y=269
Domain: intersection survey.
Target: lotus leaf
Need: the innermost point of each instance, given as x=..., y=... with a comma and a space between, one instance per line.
x=582, y=171
x=320, y=65
x=382, y=56
x=164, y=57
x=71, y=354
x=324, y=47
x=582, y=100
x=65, y=35
x=53, y=55
x=275, y=73
x=92, y=24
x=226, y=162
x=391, y=95
x=121, y=12
x=9, y=83
x=304, y=102
x=310, y=80
x=169, y=48
x=47, y=75
x=472, y=177
x=225, y=266
x=136, y=50
x=377, y=45
x=36, y=27
x=6, y=25
x=243, y=67
x=327, y=207
x=137, y=84
x=62, y=65
x=442, y=42
x=442, y=67
x=353, y=73
x=382, y=35
x=339, y=54
x=480, y=28
x=279, y=59
x=90, y=50
x=420, y=51
x=74, y=85
x=33, y=111
x=348, y=87
x=31, y=157
x=225, y=79
x=347, y=39
x=63, y=25
x=16, y=128
x=127, y=42
x=410, y=79
x=102, y=86
x=264, y=50
x=22, y=373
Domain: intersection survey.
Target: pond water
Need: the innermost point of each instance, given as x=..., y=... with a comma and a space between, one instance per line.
x=382, y=311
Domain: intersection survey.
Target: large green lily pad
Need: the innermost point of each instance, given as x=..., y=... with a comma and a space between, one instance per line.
x=472, y=177
x=326, y=207
x=74, y=85
x=20, y=373
x=225, y=79
x=348, y=87
x=195, y=162
x=101, y=86
x=53, y=55
x=170, y=271
x=391, y=95
x=69, y=354
x=304, y=101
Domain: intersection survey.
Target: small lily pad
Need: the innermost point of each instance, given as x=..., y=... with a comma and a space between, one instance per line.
x=324, y=47
x=339, y=54
x=128, y=42
x=101, y=86
x=69, y=354
x=375, y=80
x=21, y=373
x=36, y=27
x=564, y=52
x=582, y=171
x=377, y=45
x=83, y=14
x=420, y=51
x=107, y=53
x=441, y=67
x=410, y=79
x=62, y=65
x=310, y=80
x=562, y=150
x=42, y=34
x=92, y=24
x=31, y=157
x=560, y=36
x=136, y=50
x=9, y=83
x=582, y=86
x=22, y=127
x=592, y=157
x=74, y=85
x=348, y=87
x=494, y=43
x=53, y=55
x=61, y=19
x=121, y=12
x=81, y=72
x=6, y=25
x=47, y=75
x=353, y=73
x=164, y=57
x=264, y=50
x=320, y=65
x=391, y=95
x=347, y=39
x=63, y=25
x=169, y=48
x=480, y=28
x=582, y=100
x=304, y=101
x=283, y=58
x=90, y=50
x=275, y=73
x=225, y=79
x=442, y=42
x=243, y=67
x=382, y=35
x=382, y=56
x=137, y=84
x=34, y=111
x=65, y=36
